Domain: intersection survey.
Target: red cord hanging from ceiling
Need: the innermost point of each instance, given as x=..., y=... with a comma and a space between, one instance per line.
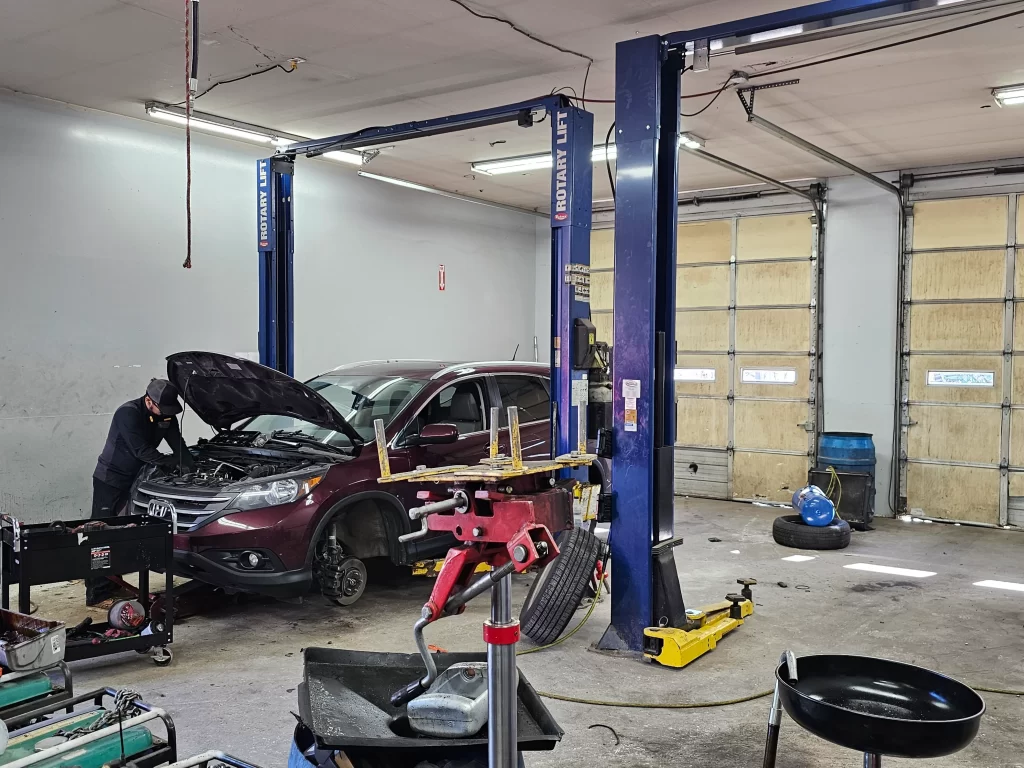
x=188, y=135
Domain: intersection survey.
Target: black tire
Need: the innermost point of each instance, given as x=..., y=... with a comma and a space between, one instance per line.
x=792, y=531
x=556, y=593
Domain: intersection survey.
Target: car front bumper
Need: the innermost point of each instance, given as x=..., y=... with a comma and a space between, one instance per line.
x=279, y=584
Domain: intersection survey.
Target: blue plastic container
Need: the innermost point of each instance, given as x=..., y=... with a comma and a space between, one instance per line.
x=849, y=452
x=814, y=506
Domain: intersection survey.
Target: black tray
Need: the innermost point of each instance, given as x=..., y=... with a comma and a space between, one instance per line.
x=344, y=700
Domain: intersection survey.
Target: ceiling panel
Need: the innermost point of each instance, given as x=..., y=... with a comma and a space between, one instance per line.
x=378, y=62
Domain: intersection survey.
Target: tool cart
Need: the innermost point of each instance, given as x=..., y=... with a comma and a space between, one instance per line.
x=45, y=553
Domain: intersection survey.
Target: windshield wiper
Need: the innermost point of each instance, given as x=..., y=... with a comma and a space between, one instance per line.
x=301, y=437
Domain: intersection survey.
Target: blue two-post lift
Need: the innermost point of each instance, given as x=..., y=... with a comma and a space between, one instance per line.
x=647, y=110
x=572, y=144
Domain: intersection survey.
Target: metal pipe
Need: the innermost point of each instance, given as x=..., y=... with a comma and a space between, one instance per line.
x=478, y=587
x=729, y=164
x=502, y=680
x=817, y=151
x=459, y=502
x=872, y=761
x=74, y=744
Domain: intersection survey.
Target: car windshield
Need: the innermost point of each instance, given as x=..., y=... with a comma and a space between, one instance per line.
x=360, y=399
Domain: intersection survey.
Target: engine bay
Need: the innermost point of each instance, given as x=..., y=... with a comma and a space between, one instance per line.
x=216, y=472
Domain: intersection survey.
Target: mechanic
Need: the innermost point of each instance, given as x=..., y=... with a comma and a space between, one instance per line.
x=136, y=430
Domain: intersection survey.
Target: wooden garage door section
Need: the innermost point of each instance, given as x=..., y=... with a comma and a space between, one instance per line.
x=963, y=431
x=745, y=334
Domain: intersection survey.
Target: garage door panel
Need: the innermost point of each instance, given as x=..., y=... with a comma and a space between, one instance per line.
x=779, y=367
x=1018, y=327
x=1017, y=438
x=955, y=327
x=770, y=425
x=702, y=375
x=702, y=472
x=774, y=237
x=767, y=476
x=773, y=330
x=702, y=331
x=954, y=493
x=704, y=241
x=941, y=275
x=1018, y=271
x=602, y=292
x=773, y=283
x=702, y=286
x=960, y=223
x=947, y=369
x=702, y=422
x=954, y=433
x=602, y=249
x=603, y=323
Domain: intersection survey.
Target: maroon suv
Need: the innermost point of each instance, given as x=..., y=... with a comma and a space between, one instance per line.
x=286, y=494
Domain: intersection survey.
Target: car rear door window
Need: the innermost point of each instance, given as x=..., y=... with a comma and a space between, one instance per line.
x=528, y=393
x=461, y=404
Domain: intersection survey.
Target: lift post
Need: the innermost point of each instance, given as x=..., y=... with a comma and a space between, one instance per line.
x=276, y=244
x=647, y=109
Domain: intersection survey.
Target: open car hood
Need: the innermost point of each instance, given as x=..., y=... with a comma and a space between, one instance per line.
x=224, y=390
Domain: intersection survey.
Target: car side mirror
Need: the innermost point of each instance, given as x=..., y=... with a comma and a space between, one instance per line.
x=436, y=434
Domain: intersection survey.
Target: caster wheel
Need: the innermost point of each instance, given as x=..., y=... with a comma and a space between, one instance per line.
x=161, y=656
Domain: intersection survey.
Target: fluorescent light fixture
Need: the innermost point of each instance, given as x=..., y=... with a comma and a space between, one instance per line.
x=775, y=34
x=207, y=123
x=690, y=141
x=948, y=2
x=527, y=163
x=797, y=558
x=1009, y=95
x=398, y=182
x=352, y=158
x=890, y=570
x=1013, y=586
x=212, y=127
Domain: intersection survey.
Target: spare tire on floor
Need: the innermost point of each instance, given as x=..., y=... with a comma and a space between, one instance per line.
x=558, y=589
x=792, y=531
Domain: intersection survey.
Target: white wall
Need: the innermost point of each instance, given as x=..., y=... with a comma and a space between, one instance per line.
x=93, y=296
x=859, y=315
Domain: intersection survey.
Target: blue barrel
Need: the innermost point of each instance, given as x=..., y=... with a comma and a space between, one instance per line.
x=847, y=452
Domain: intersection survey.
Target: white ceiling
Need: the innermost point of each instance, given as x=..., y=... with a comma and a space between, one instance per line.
x=379, y=62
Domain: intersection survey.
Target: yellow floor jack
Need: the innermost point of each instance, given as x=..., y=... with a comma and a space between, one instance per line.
x=677, y=647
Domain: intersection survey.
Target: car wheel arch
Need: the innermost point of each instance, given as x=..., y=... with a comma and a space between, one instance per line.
x=394, y=518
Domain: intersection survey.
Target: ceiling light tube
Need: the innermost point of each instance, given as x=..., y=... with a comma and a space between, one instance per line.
x=208, y=125
x=1009, y=95
x=526, y=163
x=235, y=130
x=775, y=34
x=445, y=193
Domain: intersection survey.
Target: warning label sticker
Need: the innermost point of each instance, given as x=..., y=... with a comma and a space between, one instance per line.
x=100, y=558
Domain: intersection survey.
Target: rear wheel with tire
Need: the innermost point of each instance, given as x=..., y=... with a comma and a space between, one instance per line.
x=559, y=588
x=792, y=531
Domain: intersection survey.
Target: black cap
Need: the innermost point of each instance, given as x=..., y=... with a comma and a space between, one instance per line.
x=165, y=395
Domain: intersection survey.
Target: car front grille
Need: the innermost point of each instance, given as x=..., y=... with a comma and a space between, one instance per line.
x=192, y=508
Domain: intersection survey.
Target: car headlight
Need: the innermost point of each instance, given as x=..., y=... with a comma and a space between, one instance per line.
x=271, y=494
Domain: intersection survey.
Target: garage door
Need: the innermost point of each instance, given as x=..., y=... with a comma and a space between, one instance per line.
x=746, y=330
x=963, y=379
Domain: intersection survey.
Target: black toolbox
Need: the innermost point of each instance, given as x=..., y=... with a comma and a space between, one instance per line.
x=45, y=553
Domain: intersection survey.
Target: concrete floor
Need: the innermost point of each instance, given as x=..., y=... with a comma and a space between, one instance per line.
x=232, y=683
